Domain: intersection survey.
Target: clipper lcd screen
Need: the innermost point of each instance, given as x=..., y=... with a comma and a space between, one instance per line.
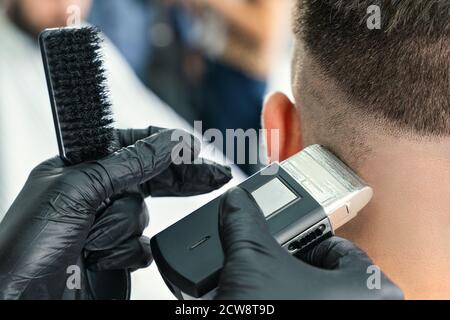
x=273, y=196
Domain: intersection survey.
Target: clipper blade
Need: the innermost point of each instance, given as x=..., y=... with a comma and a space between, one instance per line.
x=331, y=182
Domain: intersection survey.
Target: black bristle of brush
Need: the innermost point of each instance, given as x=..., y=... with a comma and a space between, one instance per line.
x=78, y=92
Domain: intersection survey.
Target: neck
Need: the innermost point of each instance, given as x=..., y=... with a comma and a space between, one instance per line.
x=406, y=227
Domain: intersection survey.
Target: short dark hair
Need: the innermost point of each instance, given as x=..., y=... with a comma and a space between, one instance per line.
x=400, y=72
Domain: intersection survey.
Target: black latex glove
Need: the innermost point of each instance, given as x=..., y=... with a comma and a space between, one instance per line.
x=178, y=180
x=114, y=248
x=116, y=241
x=257, y=267
x=44, y=231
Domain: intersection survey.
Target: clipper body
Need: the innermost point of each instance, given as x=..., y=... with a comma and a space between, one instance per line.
x=304, y=199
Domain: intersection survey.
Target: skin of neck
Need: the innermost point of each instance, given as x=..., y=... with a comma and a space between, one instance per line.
x=405, y=229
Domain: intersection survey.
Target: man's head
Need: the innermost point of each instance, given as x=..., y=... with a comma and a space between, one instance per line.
x=353, y=86
x=35, y=15
x=380, y=99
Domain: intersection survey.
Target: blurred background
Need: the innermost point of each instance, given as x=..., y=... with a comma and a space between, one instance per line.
x=169, y=63
x=209, y=60
x=203, y=57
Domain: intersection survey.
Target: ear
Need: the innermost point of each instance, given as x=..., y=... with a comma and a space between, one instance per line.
x=281, y=114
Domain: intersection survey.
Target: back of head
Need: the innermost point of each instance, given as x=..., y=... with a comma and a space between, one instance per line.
x=372, y=82
x=392, y=77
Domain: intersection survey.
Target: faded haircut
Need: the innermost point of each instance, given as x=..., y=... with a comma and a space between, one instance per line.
x=400, y=72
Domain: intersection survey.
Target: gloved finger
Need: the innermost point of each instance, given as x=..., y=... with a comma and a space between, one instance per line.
x=351, y=263
x=125, y=218
x=147, y=158
x=133, y=254
x=178, y=180
x=337, y=253
x=51, y=164
x=242, y=225
x=128, y=137
x=188, y=180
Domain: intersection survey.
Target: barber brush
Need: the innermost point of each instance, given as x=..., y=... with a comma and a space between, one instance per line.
x=83, y=119
x=78, y=93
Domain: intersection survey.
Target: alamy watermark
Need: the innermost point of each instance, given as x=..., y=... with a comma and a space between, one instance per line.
x=374, y=279
x=73, y=281
x=73, y=16
x=374, y=18
x=234, y=146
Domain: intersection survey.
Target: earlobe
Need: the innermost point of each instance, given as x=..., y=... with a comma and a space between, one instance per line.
x=281, y=119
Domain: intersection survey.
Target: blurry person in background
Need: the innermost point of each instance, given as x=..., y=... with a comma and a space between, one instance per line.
x=166, y=75
x=127, y=23
x=238, y=41
x=144, y=32
x=27, y=135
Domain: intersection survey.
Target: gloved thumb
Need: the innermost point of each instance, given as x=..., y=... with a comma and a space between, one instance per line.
x=252, y=255
x=243, y=226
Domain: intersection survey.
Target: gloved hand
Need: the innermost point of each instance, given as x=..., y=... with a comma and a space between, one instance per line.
x=257, y=267
x=114, y=248
x=46, y=228
x=116, y=241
